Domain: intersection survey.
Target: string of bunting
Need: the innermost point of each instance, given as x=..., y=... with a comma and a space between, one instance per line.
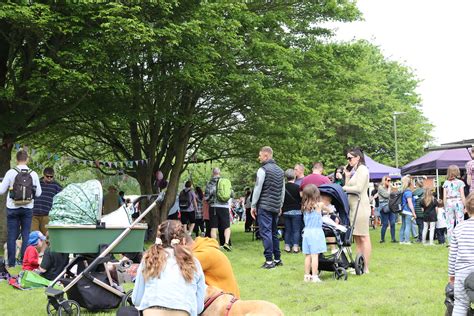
x=92, y=163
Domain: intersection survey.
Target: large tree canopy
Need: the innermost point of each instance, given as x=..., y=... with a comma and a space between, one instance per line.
x=175, y=82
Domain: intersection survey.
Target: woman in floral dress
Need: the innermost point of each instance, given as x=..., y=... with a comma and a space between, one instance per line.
x=453, y=199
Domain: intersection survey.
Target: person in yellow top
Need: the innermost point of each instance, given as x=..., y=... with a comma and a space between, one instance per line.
x=215, y=264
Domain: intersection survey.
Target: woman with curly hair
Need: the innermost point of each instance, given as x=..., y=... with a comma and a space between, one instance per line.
x=169, y=280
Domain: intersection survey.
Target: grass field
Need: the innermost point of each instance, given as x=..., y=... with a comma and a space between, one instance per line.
x=403, y=280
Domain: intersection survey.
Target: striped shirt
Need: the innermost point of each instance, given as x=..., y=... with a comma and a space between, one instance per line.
x=461, y=251
x=44, y=202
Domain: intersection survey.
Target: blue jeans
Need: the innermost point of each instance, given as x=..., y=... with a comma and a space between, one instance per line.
x=405, y=230
x=267, y=223
x=387, y=218
x=293, y=226
x=18, y=221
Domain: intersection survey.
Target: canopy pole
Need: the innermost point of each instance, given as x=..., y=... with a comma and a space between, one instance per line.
x=437, y=183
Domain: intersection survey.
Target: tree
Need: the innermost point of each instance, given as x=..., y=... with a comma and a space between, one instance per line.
x=180, y=79
x=349, y=93
x=42, y=78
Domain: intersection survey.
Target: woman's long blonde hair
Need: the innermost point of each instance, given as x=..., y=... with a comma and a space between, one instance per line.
x=310, y=198
x=453, y=172
x=406, y=183
x=428, y=198
x=171, y=235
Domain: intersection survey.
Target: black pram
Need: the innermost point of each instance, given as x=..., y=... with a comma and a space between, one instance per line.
x=341, y=260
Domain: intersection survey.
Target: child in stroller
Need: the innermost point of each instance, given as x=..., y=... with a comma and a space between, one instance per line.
x=341, y=233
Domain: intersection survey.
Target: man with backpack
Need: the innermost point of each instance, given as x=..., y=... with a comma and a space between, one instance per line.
x=23, y=186
x=218, y=192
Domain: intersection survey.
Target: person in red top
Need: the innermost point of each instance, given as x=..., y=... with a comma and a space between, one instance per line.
x=31, y=257
x=316, y=177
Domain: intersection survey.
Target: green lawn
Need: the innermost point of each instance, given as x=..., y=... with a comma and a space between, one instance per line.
x=404, y=280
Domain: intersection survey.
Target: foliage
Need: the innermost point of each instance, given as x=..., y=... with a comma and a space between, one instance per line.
x=180, y=79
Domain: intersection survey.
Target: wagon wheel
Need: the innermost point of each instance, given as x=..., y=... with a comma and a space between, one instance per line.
x=340, y=274
x=69, y=308
x=359, y=264
x=127, y=299
x=52, y=310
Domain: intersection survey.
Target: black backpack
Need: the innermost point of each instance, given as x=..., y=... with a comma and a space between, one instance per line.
x=395, y=202
x=184, y=200
x=22, y=190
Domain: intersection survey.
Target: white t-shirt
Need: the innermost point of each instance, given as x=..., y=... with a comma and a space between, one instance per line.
x=441, y=222
x=8, y=182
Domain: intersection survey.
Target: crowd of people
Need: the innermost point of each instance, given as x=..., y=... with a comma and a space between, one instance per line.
x=288, y=194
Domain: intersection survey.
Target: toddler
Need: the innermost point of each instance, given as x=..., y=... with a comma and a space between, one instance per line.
x=313, y=236
x=441, y=223
x=461, y=258
x=31, y=257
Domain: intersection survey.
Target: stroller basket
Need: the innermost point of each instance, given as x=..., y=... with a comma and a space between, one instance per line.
x=81, y=239
x=90, y=295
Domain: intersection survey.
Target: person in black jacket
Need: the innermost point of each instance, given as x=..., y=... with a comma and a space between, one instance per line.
x=292, y=213
x=267, y=201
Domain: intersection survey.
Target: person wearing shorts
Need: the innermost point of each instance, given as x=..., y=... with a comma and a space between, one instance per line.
x=219, y=217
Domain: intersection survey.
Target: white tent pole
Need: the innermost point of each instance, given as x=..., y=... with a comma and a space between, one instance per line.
x=437, y=183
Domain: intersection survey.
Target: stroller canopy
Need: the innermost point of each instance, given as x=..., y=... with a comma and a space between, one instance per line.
x=78, y=203
x=339, y=200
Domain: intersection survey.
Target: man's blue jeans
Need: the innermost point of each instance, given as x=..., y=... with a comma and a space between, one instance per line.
x=293, y=226
x=267, y=224
x=405, y=230
x=18, y=221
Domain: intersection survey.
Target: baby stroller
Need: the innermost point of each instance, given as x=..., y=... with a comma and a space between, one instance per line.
x=342, y=259
x=86, y=279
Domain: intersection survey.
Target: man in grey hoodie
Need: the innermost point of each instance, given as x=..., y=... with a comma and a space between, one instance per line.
x=219, y=217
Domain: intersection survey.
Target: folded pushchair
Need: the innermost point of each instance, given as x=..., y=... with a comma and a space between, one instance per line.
x=86, y=279
x=340, y=261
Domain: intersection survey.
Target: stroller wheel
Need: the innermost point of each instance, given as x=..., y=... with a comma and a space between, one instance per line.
x=359, y=264
x=127, y=299
x=52, y=310
x=340, y=274
x=69, y=308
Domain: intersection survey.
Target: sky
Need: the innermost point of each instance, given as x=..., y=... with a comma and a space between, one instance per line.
x=434, y=38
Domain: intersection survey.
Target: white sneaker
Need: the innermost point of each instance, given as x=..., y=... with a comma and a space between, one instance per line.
x=315, y=279
x=307, y=278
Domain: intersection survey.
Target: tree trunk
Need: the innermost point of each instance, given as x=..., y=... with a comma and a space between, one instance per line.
x=5, y=158
x=180, y=155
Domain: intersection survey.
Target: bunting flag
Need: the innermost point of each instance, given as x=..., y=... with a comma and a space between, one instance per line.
x=90, y=163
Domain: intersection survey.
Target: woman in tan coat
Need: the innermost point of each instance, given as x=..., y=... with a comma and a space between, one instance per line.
x=357, y=181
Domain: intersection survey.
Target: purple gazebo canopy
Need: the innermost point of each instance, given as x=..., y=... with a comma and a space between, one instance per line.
x=438, y=160
x=377, y=170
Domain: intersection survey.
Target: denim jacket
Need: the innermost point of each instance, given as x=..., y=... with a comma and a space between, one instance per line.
x=170, y=290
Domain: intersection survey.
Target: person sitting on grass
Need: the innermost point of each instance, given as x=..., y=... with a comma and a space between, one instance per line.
x=461, y=258
x=215, y=264
x=169, y=281
x=313, y=236
x=31, y=257
x=53, y=263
